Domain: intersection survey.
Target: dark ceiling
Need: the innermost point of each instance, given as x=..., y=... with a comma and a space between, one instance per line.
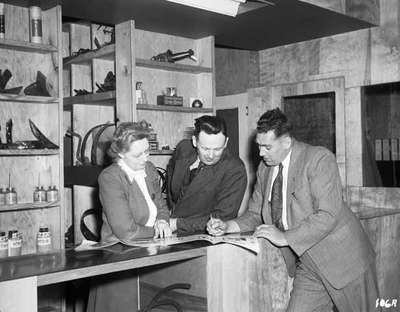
x=287, y=21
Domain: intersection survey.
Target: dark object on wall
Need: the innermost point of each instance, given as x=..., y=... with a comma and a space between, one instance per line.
x=39, y=87
x=170, y=57
x=197, y=104
x=169, y=100
x=156, y=302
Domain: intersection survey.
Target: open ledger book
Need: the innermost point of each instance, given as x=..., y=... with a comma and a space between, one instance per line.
x=246, y=241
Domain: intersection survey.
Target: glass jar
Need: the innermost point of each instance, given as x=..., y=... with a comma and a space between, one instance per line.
x=43, y=240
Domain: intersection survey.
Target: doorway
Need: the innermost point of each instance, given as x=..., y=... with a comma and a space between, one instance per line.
x=231, y=117
x=313, y=118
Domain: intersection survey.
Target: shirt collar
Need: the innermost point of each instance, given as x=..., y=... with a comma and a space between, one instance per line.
x=132, y=174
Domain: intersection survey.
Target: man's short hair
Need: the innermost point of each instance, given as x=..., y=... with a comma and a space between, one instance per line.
x=274, y=120
x=210, y=125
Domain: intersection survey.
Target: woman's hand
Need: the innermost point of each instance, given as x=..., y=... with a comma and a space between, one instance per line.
x=162, y=229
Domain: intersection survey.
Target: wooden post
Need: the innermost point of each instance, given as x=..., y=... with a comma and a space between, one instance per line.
x=125, y=71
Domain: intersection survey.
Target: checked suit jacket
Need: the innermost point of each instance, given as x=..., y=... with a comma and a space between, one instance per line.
x=319, y=222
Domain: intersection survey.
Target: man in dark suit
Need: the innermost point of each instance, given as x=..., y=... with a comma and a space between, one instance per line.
x=297, y=205
x=204, y=179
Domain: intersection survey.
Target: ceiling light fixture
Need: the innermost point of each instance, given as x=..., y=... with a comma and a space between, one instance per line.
x=227, y=7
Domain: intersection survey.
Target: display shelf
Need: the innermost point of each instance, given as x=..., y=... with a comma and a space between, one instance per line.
x=162, y=152
x=26, y=46
x=103, y=98
x=28, y=152
x=27, y=98
x=179, y=109
x=172, y=66
x=29, y=206
x=106, y=53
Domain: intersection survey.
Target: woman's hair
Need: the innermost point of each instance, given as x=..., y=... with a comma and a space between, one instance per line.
x=125, y=134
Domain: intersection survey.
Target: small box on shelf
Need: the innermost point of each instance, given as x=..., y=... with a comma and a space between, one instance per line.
x=170, y=100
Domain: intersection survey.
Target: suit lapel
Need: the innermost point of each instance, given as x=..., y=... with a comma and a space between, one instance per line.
x=291, y=179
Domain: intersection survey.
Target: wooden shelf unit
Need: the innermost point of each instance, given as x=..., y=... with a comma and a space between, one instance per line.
x=24, y=59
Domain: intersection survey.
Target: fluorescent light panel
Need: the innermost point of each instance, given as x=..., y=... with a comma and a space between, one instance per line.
x=227, y=7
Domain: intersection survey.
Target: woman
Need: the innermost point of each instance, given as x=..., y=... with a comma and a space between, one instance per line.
x=133, y=208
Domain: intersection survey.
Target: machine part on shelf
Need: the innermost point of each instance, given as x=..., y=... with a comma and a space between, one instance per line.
x=156, y=302
x=39, y=87
x=16, y=90
x=86, y=232
x=9, y=125
x=41, y=137
x=96, y=143
x=81, y=92
x=5, y=76
x=97, y=43
x=109, y=83
x=170, y=57
x=197, y=104
x=72, y=134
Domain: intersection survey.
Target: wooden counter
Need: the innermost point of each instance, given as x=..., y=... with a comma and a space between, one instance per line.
x=223, y=277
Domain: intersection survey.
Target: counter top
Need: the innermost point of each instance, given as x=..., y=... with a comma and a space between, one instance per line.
x=67, y=265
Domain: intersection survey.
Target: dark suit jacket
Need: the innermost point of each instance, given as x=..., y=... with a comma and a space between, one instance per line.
x=216, y=189
x=319, y=222
x=125, y=211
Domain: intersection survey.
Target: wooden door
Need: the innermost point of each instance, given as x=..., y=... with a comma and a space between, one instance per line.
x=313, y=118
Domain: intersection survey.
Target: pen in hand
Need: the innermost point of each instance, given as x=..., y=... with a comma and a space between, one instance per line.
x=216, y=226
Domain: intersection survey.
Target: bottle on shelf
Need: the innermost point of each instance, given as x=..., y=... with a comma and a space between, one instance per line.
x=43, y=240
x=52, y=194
x=10, y=196
x=3, y=245
x=14, y=243
x=35, y=13
x=2, y=196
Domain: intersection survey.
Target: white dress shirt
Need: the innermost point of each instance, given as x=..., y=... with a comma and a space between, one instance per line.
x=139, y=176
x=285, y=164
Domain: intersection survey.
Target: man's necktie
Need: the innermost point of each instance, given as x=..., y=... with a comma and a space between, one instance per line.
x=276, y=200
